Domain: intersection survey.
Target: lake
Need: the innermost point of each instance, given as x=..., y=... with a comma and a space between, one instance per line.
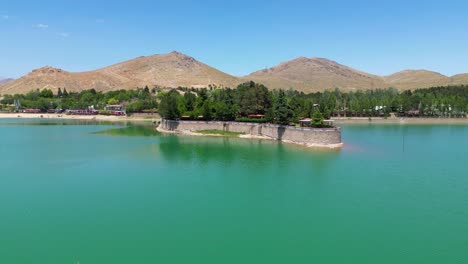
x=84, y=192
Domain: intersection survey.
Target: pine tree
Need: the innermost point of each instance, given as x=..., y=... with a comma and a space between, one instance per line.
x=317, y=119
x=282, y=112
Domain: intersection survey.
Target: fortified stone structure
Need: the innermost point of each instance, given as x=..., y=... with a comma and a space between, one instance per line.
x=311, y=137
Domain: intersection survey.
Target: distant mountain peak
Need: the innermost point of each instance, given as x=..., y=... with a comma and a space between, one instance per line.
x=4, y=81
x=178, y=54
x=169, y=70
x=315, y=74
x=47, y=70
x=175, y=52
x=416, y=71
x=176, y=69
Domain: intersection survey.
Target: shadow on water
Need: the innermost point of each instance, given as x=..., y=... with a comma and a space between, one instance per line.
x=200, y=149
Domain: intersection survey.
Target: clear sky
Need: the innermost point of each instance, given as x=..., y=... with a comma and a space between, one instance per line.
x=237, y=37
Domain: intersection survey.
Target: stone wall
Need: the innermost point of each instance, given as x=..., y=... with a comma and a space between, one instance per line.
x=330, y=137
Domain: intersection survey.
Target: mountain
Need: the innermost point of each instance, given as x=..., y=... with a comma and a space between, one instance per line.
x=315, y=74
x=5, y=81
x=459, y=79
x=166, y=70
x=411, y=79
x=176, y=69
x=169, y=70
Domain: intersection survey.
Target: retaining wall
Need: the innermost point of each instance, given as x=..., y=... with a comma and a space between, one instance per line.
x=330, y=137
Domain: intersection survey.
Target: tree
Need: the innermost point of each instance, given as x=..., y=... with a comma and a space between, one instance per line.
x=206, y=110
x=317, y=119
x=168, y=106
x=46, y=93
x=189, y=99
x=59, y=93
x=65, y=93
x=112, y=101
x=282, y=112
x=252, y=98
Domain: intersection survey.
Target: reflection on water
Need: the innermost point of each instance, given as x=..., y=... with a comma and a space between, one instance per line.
x=130, y=131
x=243, y=152
x=89, y=196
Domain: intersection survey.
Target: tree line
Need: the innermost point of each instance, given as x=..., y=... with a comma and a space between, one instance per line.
x=252, y=101
x=138, y=100
x=285, y=106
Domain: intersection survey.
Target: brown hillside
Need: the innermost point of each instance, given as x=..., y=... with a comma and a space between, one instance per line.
x=459, y=79
x=5, y=81
x=412, y=79
x=52, y=78
x=315, y=74
x=170, y=70
x=176, y=69
x=167, y=70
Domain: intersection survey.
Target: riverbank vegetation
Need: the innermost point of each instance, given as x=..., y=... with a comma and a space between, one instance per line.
x=139, y=100
x=253, y=102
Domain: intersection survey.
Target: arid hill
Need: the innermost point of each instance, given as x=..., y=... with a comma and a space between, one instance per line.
x=166, y=70
x=459, y=79
x=5, y=81
x=411, y=79
x=176, y=69
x=315, y=74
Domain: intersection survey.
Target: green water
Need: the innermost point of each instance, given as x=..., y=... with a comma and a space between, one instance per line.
x=394, y=194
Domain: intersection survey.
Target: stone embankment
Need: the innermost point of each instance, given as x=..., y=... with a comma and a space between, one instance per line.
x=310, y=137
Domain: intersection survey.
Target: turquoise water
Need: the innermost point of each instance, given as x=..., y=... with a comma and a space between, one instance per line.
x=101, y=193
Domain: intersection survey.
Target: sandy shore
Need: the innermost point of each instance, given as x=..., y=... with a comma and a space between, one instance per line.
x=402, y=121
x=75, y=117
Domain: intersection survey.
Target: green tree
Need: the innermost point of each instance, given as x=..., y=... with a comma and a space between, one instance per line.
x=168, y=106
x=253, y=98
x=317, y=119
x=46, y=93
x=207, y=110
x=282, y=112
x=112, y=101
x=190, y=99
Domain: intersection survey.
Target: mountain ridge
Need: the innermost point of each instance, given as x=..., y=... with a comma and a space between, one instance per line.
x=176, y=69
x=4, y=81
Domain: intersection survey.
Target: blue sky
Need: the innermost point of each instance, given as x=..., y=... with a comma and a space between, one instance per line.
x=237, y=37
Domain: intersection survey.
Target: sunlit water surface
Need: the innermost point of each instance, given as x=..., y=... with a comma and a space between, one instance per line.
x=81, y=192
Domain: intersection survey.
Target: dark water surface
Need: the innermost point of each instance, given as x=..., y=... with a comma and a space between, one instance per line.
x=100, y=193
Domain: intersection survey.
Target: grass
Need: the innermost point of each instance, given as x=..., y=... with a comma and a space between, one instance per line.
x=220, y=132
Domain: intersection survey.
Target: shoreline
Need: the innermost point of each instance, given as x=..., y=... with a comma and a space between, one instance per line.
x=46, y=116
x=338, y=120
x=401, y=121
